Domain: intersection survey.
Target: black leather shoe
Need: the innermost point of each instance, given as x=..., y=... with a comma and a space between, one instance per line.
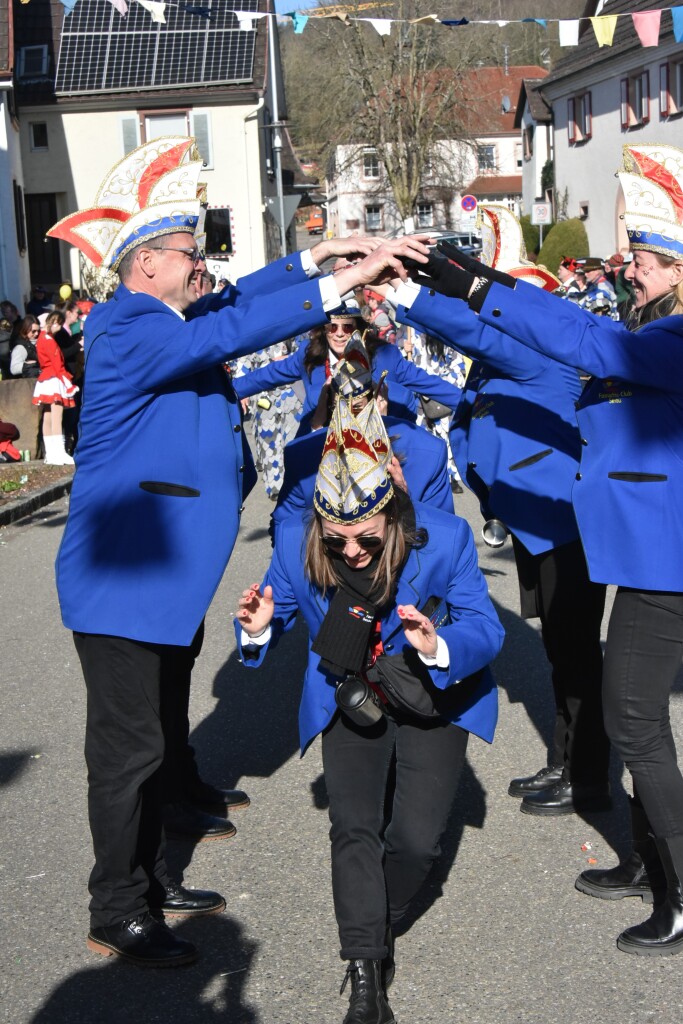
x=181, y=821
x=204, y=795
x=368, y=1003
x=563, y=798
x=142, y=940
x=662, y=934
x=543, y=779
x=627, y=879
x=182, y=902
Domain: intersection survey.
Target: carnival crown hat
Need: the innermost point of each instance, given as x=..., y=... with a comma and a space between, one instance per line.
x=153, y=191
x=352, y=376
x=652, y=182
x=353, y=482
x=503, y=247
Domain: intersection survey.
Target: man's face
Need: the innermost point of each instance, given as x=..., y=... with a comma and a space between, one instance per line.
x=593, y=275
x=177, y=269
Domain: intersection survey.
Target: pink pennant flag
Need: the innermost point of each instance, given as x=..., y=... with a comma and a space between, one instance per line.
x=646, y=24
x=604, y=29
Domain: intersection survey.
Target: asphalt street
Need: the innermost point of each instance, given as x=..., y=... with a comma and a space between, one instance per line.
x=501, y=936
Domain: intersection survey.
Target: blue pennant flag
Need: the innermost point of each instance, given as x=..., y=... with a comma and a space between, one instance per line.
x=677, y=18
x=69, y=5
x=299, y=21
x=539, y=21
x=454, y=21
x=201, y=12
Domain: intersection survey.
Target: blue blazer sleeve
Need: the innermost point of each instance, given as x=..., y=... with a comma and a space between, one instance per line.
x=388, y=357
x=652, y=356
x=273, y=375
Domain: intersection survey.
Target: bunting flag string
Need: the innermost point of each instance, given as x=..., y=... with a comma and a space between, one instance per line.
x=647, y=24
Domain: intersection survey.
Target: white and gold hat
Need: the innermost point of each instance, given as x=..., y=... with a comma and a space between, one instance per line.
x=353, y=482
x=503, y=247
x=153, y=191
x=652, y=182
x=352, y=375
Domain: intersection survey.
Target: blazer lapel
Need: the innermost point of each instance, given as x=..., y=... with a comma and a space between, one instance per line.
x=408, y=591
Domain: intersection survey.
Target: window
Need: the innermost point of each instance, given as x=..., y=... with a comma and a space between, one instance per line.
x=19, y=217
x=518, y=155
x=635, y=100
x=33, y=61
x=579, y=118
x=373, y=218
x=486, y=158
x=130, y=133
x=219, y=233
x=370, y=165
x=175, y=122
x=37, y=131
x=528, y=140
x=670, y=89
x=425, y=215
x=584, y=209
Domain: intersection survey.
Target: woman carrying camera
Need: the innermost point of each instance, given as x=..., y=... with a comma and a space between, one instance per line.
x=360, y=570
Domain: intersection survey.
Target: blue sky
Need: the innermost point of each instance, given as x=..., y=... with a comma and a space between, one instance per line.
x=285, y=6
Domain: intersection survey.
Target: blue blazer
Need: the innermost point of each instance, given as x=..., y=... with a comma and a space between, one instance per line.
x=628, y=492
x=425, y=468
x=514, y=436
x=162, y=466
x=387, y=357
x=446, y=567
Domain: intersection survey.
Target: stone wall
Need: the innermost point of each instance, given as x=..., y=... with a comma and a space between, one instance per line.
x=16, y=407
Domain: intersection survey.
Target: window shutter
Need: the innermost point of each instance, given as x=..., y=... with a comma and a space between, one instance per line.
x=645, y=104
x=571, y=119
x=201, y=130
x=625, y=105
x=587, y=116
x=129, y=133
x=664, y=95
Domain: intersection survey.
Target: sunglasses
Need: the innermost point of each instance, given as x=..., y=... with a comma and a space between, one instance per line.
x=346, y=328
x=369, y=543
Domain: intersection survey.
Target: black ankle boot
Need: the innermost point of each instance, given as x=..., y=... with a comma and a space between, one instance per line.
x=662, y=934
x=368, y=1003
x=641, y=874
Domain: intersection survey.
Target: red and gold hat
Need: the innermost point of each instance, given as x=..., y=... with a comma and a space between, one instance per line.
x=153, y=191
x=652, y=182
x=503, y=247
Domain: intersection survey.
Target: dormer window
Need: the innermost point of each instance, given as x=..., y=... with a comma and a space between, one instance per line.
x=33, y=62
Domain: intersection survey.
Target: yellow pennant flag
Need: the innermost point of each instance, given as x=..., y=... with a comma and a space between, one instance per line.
x=604, y=29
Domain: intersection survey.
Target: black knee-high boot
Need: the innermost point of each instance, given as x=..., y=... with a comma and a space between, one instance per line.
x=640, y=874
x=662, y=934
x=368, y=1003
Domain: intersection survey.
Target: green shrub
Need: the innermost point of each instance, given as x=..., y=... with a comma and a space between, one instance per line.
x=566, y=238
x=531, y=235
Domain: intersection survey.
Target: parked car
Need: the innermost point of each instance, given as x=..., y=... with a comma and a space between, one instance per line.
x=314, y=225
x=469, y=242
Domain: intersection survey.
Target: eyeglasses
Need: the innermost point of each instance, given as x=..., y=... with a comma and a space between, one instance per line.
x=369, y=543
x=346, y=328
x=34, y=330
x=196, y=255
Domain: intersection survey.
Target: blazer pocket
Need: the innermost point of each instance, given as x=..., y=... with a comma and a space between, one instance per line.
x=639, y=478
x=171, y=490
x=530, y=461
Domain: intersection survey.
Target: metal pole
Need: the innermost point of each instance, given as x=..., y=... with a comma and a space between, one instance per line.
x=277, y=137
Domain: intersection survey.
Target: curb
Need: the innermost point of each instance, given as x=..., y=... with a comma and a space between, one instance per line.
x=23, y=507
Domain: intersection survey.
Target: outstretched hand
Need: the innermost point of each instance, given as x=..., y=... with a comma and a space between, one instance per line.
x=353, y=247
x=474, y=266
x=419, y=630
x=442, y=275
x=385, y=263
x=255, y=609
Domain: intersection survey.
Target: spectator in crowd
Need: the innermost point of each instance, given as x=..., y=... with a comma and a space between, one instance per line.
x=569, y=286
x=23, y=355
x=40, y=302
x=54, y=391
x=598, y=292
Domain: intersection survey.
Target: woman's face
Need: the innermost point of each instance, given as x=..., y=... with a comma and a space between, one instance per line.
x=338, y=334
x=649, y=278
x=356, y=543
x=31, y=332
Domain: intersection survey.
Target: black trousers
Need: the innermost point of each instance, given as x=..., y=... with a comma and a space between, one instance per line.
x=555, y=587
x=642, y=659
x=377, y=870
x=136, y=715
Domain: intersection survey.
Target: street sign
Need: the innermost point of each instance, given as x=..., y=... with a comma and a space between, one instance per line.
x=468, y=203
x=541, y=213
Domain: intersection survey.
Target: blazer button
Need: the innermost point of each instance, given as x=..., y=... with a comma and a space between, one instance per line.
x=388, y=647
x=584, y=441
x=237, y=428
x=576, y=405
x=290, y=266
x=241, y=469
x=307, y=304
x=472, y=465
x=496, y=312
x=578, y=476
x=432, y=292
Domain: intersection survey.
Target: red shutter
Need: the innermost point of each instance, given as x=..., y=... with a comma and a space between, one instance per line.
x=587, y=116
x=664, y=94
x=571, y=120
x=645, y=112
x=625, y=105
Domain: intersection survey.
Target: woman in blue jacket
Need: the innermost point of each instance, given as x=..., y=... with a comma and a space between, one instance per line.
x=314, y=362
x=628, y=499
x=359, y=571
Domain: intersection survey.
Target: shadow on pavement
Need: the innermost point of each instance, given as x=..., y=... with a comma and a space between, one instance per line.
x=12, y=764
x=210, y=990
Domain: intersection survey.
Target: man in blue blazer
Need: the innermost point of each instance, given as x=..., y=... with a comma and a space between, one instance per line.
x=516, y=444
x=161, y=473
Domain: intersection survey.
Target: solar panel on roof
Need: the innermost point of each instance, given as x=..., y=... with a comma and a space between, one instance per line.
x=102, y=52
